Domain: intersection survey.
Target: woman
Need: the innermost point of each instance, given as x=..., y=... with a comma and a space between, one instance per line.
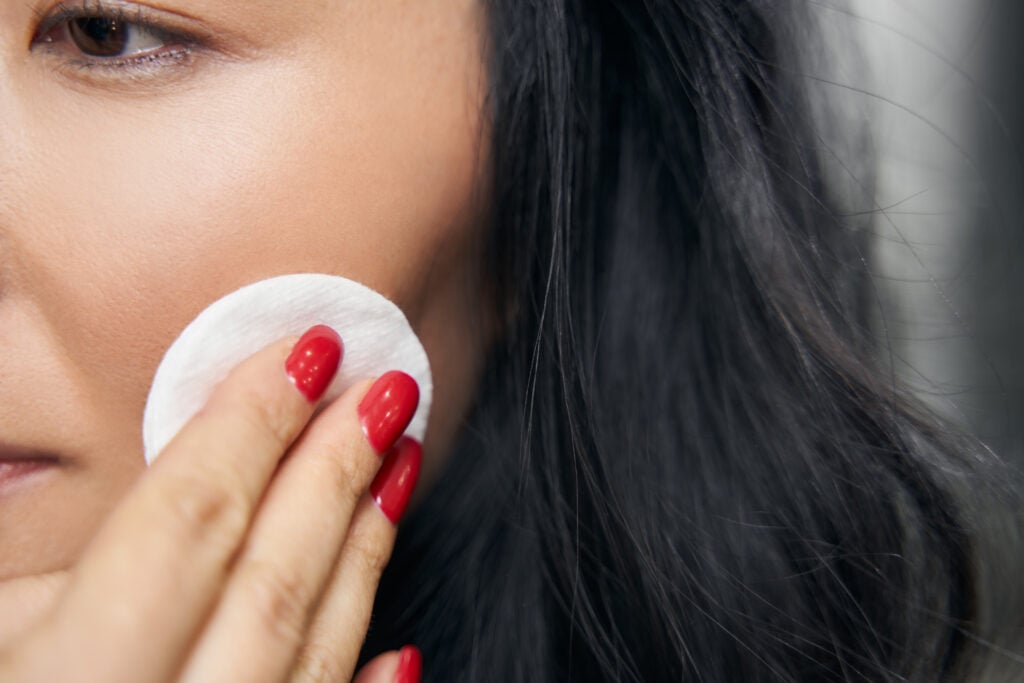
x=660, y=447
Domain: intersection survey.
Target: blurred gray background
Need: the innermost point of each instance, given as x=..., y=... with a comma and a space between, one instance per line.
x=941, y=83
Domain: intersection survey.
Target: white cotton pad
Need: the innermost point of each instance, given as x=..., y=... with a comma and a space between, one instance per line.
x=376, y=335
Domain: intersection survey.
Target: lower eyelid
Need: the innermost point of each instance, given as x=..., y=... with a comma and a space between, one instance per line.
x=137, y=59
x=143, y=75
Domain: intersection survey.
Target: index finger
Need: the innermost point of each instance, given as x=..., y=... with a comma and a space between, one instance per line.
x=153, y=573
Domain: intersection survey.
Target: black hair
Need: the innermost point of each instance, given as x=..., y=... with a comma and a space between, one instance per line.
x=685, y=462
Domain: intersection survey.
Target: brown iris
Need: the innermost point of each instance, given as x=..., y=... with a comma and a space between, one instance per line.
x=99, y=37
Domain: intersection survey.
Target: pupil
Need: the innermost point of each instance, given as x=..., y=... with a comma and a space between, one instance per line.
x=98, y=37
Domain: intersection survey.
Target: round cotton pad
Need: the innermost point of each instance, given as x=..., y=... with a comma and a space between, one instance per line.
x=376, y=334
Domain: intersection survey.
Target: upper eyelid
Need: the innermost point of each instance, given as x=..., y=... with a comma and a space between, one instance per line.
x=63, y=12
x=164, y=22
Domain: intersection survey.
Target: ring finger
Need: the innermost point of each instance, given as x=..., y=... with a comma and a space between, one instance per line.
x=260, y=624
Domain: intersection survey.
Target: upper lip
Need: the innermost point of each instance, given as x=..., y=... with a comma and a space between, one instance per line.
x=12, y=453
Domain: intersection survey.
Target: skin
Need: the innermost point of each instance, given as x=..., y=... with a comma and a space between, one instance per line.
x=207, y=558
x=335, y=137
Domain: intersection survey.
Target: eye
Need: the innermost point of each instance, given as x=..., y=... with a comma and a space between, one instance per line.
x=107, y=37
x=112, y=39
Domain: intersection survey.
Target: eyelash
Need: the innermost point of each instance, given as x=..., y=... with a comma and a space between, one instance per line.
x=179, y=45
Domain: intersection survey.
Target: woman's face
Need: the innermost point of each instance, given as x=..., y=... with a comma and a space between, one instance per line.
x=236, y=140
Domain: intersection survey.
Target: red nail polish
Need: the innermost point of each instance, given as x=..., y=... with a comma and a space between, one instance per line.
x=314, y=361
x=410, y=665
x=387, y=409
x=396, y=479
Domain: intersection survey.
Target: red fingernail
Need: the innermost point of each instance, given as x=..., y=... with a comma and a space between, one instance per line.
x=387, y=409
x=314, y=361
x=410, y=665
x=396, y=479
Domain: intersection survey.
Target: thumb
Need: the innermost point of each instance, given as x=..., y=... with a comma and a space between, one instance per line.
x=24, y=601
x=404, y=666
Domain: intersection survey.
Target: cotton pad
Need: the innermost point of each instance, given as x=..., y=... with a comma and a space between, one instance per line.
x=376, y=335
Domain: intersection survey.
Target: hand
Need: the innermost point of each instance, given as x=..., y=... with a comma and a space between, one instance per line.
x=250, y=551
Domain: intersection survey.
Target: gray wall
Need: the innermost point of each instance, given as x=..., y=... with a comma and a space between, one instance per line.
x=943, y=93
x=942, y=81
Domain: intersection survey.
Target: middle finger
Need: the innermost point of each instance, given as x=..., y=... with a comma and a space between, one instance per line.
x=261, y=622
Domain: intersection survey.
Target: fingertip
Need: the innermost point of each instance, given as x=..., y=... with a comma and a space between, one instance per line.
x=388, y=408
x=410, y=665
x=314, y=361
x=396, y=480
x=401, y=666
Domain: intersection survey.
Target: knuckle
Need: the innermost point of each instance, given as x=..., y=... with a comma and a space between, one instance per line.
x=279, y=599
x=318, y=664
x=268, y=418
x=370, y=552
x=342, y=470
x=199, y=508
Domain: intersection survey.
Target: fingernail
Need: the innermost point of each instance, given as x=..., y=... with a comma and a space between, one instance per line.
x=387, y=409
x=396, y=479
x=313, y=361
x=410, y=665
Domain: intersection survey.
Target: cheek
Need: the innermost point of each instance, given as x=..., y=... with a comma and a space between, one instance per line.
x=142, y=218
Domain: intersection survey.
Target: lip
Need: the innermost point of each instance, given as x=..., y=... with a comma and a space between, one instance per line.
x=20, y=467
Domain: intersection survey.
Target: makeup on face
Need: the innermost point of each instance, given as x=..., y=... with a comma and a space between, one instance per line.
x=156, y=156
